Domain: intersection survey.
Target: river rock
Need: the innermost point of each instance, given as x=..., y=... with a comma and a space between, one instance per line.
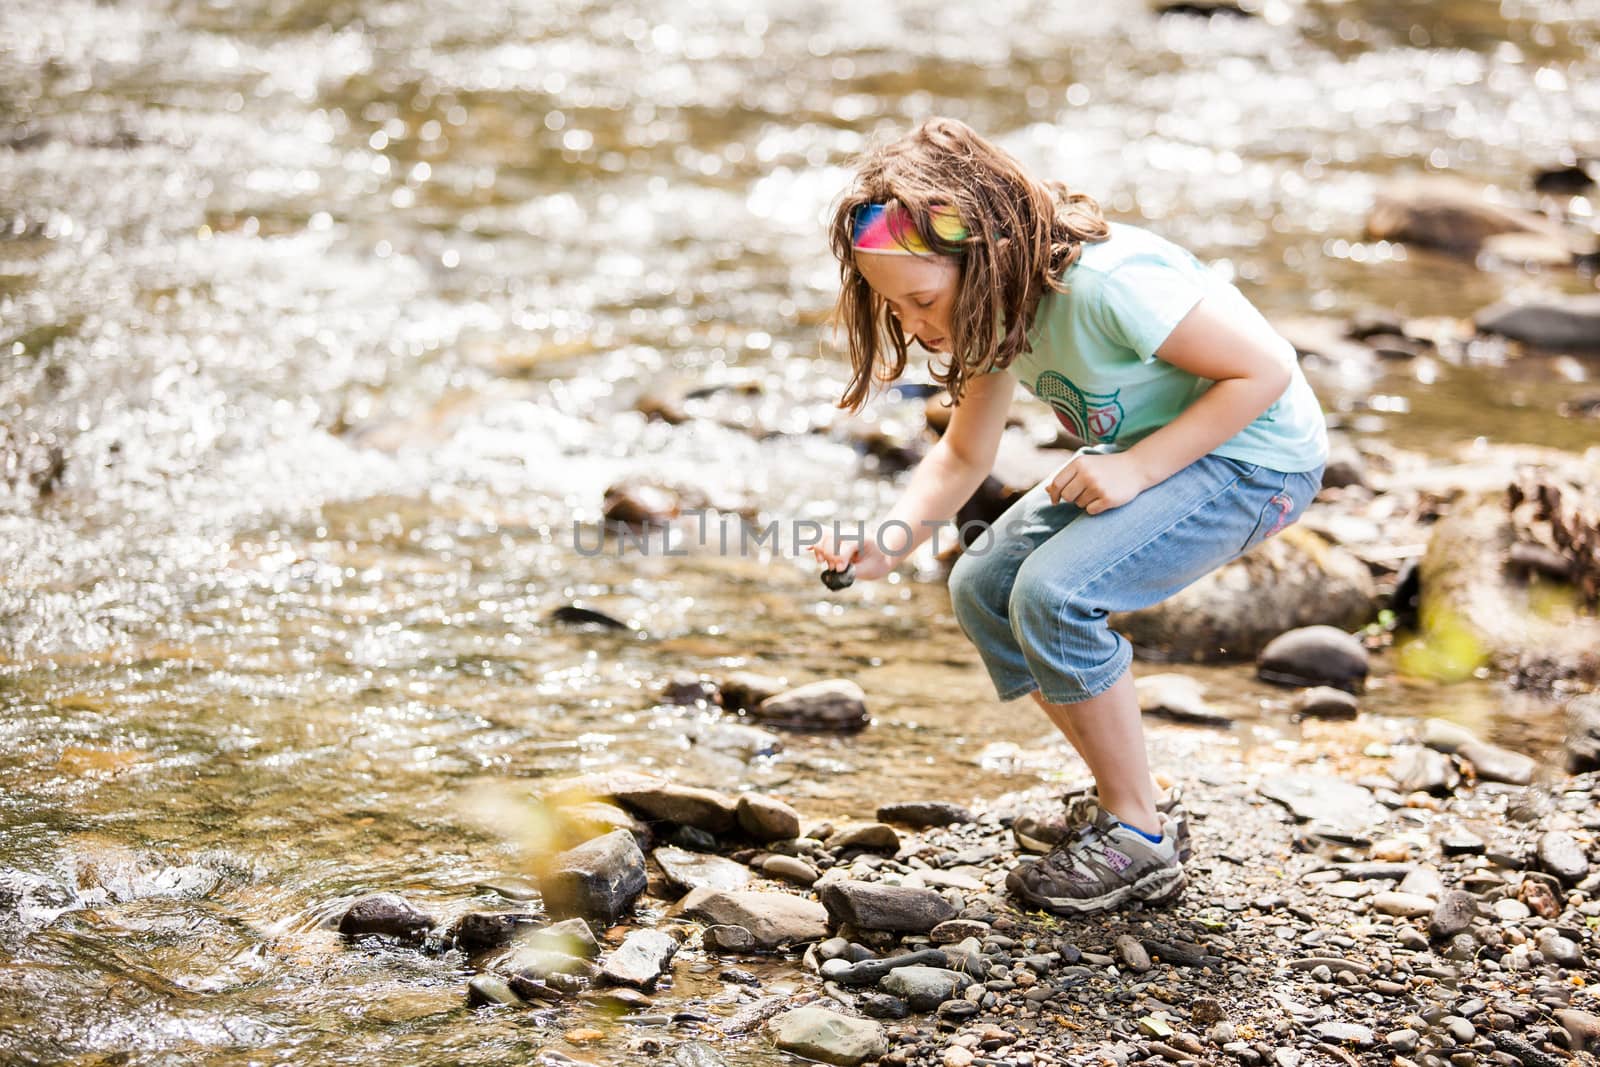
x=1177, y=697
x=866, y=837
x=1582, y=1027
x=1224, y=615
x=773, y=919
x=1559, y=853
x=925, y=988
x=385, y=915
x=820, y=1034
x=745, y=690
x=1583, y=733
x=687, y=689
x=1452, y=215
x=874, y=906
x=703, y=809
x=1338, y=1033
x=687, y=870
x=1324, y=702
x=1132, y=953
x=728, y=939
x=586, y=820
x=1453, y=916
x=1495, y=764
x=836, y=705
x=1315, y=655
x=598, y=880
x=1402, y=905
x=570, y=936
x=1422, y=770
x=478, y=932
x=923, y=814
x=1423, y=881
x=641, y=959
x=640, y=506
x=1553, y=321
x=767, y=819
x=490, y=990
x=791, y=869
x=1330, y=801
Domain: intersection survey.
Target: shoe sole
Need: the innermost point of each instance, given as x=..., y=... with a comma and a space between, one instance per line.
x=1158, y=887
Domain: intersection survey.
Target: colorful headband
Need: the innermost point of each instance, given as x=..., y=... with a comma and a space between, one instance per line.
x=885, y=229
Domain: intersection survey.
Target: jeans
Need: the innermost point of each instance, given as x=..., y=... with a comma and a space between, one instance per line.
x=1033, y=592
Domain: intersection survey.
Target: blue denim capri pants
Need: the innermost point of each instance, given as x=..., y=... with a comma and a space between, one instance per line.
x=1034, y=591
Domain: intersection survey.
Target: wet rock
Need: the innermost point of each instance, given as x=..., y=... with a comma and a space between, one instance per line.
x=920, y=815
x=1559, y=853
x=1583, y=733
x=745, y=690
x=1422, y=770
x=834, y=705
x=883, y=1006
x=867, y=837
x=1315, y=655
x=874, y=906
x=1404, y=1041
x=640, y=506
x=686, y=870
x=688, y=689
x=1324, y=702
x=766, y=819
x=385, y=915
x=539, y=969
x=1453, y=916
x=791, y=869
x=1453, y=216
x=573, y=615
x=641, y=959
x=598, y=880
x=589, y=819
x=1559, y=950
x=1319, y=799
x=820, y=1034
x=1562, y=323
x=1178, y=697
x=478, y=932
x=1508, y=909
x=1223, y=616
x=952, y=931
x=489, y=990
x=570, y=936
x=864, y=972
x=695, y=1054
x=703, y=809
x=1461, y=843
x=925, y=988
x=728, y=939
x=773, y=919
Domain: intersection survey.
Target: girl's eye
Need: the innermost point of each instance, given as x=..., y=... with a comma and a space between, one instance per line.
x=923, y=303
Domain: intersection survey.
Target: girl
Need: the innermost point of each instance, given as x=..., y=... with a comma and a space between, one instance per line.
x=1202, y=439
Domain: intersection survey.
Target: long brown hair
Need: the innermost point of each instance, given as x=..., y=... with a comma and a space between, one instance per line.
x=1022, y=235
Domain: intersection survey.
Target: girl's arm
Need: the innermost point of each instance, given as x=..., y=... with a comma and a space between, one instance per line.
x=1240, y=357
x=945, y=478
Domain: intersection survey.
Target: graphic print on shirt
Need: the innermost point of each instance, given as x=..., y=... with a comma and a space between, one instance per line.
x=1092, y=417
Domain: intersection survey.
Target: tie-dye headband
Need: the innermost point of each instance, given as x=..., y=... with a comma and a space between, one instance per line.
x=886, y=229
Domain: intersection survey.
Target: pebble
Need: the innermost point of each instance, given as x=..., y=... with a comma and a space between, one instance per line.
x=1132, y=953
x=1559, y=853
x=1510, y=910
x=1404, y=1041
x=1345, y=1033
x=1402, y=905
x=1453, y=916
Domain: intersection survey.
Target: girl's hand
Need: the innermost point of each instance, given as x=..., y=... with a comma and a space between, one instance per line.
x=1097, y=483
x=870, y=561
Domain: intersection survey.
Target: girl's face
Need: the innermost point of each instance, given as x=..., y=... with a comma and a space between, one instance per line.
x=920, y=292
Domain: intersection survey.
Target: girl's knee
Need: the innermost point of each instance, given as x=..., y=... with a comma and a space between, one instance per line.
x=976, y=586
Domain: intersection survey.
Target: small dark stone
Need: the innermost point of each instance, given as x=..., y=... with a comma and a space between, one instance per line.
x=478, y=932
x=840, y=579
x=1453, y=916
x=920, y=815
x=883, y=1006
x=573, y=615
x=385, y=915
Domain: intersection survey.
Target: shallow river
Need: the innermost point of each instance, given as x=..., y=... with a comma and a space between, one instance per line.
x=321, y=327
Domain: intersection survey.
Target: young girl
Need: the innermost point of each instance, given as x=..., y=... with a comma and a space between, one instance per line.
x=1202, y=439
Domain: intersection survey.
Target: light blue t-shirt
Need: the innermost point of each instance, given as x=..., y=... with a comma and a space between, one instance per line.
x=1093, y=359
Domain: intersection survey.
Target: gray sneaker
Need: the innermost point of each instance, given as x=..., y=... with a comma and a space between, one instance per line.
x=1104, y=866
x=1043, y=832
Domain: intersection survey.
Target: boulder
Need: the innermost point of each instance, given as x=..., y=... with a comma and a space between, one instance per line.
x=836, y=705
x=685, y=870
x=874, y=906
x=641, y=959
x=598, y=880
x=773, y=919
x=1293, y=580
x=827, y=1036
x=1315, y=655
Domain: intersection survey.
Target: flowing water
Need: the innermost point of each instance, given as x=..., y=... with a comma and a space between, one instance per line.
x=322, y=324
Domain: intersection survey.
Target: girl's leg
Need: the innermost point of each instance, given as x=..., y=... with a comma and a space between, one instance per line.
x=1108, y=733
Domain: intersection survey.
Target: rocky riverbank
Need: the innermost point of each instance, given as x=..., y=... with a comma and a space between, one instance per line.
x=1375, y=893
